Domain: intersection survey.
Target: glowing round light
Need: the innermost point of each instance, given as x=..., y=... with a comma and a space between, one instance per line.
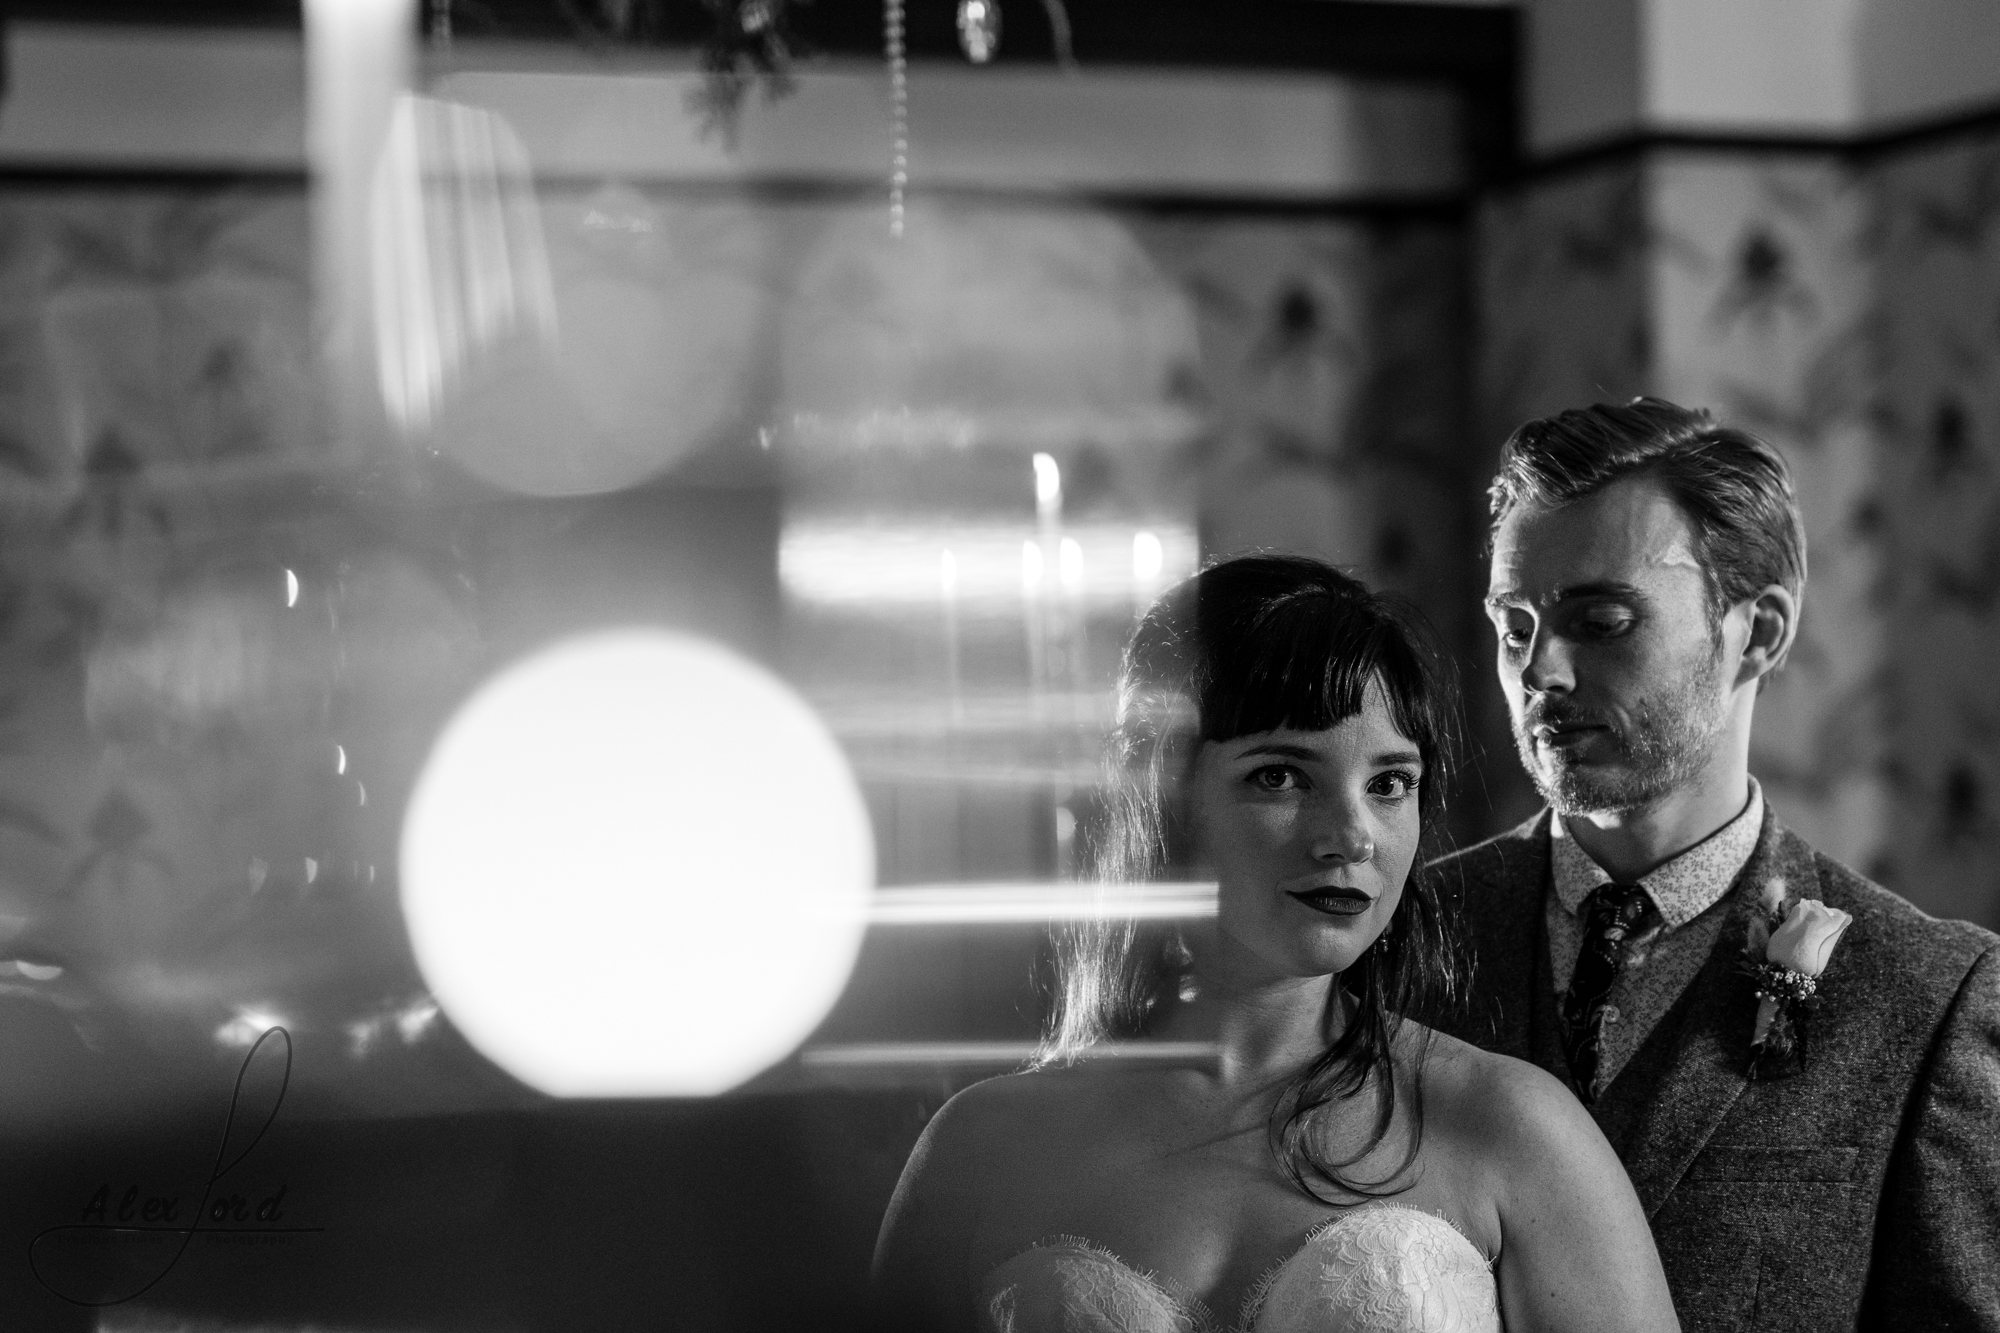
x=1148, y=557
x=636, y=864
x=1048, y=483
x=1069, y=564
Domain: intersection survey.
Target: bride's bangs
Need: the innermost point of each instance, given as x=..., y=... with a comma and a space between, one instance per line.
x=1305, y=664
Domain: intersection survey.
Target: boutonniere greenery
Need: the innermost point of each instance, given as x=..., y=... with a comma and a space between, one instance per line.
x=1789, y=943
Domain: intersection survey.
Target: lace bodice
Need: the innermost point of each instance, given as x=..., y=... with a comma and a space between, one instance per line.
x=1379, y=1268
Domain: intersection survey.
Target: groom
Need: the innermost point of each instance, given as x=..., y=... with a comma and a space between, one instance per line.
x=1647, y=566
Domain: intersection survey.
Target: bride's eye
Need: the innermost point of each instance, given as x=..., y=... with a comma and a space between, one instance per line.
x=1394, y=785
x=1275, y=777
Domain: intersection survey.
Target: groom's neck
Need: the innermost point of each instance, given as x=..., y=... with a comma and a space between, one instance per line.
x=1630, y=843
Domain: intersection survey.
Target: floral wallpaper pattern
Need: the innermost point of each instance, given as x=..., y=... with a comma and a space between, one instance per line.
x=214, y=651
x=1333, y=371
x=1845, y=310
x=224, y=644
x=1764, y=311
x=1937, y=226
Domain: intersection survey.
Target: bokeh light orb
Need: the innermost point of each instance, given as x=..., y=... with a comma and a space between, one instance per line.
x=636, y=864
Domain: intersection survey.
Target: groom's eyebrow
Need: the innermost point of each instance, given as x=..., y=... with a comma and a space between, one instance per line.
x=1612, y=588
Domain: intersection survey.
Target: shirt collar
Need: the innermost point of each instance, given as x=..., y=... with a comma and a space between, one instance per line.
x=1681, y=889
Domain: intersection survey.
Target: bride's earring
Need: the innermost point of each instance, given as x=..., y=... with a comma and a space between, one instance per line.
x=1181, y=959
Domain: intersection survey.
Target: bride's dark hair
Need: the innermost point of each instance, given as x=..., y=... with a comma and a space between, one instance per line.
x=1245, y=646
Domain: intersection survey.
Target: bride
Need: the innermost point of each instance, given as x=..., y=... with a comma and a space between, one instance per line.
x=1285, y=732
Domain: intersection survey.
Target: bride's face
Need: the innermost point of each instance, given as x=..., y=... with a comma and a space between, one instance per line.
x=1310, y=836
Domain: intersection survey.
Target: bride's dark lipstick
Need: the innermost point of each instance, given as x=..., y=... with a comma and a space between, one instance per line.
x=1334, y=901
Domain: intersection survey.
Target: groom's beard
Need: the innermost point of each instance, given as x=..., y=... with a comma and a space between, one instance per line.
x=1663, y=745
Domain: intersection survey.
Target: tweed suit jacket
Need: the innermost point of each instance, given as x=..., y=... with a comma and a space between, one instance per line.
x=1862, y=1192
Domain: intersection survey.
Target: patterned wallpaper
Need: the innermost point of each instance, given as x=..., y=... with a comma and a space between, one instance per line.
x=1561, y=272
x=1333, y=365
x=1937, y=229
x=1764, y=310
x=224, y=647
x=1846, y=311
x=215, y=650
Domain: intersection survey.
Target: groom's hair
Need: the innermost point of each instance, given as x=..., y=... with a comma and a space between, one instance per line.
x=1735, y=489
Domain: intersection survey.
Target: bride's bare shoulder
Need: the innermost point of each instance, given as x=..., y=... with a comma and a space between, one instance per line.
x=1498, y=1104
x=990, y=1142
x=1520, y=1136
x=982, y=1127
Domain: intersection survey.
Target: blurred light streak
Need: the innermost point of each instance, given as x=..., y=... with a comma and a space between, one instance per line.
x=248, y=1025
x=410, y=1022
x=359, y=59
x=998, y=714
x=459, y=260
x=635, y=864
x=1069, y=565
x=946, y=428
x=1071, y=900
x=995, y=715
x=977, y=773
x=1066, y=839
x=1048, y=487
x=413, y=1022
x=996, y=565
x=948, y=588
x=291, y=589
x=34, y=971
x=339, y=759
x=940, y=1053
x=1148, y=558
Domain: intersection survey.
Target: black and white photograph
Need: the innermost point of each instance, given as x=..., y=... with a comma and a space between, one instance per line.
x=999, y=666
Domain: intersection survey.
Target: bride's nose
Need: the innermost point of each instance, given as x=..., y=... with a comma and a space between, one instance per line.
x=1340, y=834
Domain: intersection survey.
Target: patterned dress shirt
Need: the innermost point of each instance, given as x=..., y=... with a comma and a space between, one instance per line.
x=1684, y=915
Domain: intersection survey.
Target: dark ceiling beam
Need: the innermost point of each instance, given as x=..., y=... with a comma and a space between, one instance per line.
x=1475, y=48
x=1347, y=36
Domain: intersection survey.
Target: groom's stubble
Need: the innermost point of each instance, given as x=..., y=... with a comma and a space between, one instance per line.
x=1664, y=744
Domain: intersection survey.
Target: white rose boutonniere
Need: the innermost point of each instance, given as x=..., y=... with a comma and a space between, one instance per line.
x=1788, y=947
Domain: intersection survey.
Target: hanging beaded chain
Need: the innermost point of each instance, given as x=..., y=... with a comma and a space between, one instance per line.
x=899, y=110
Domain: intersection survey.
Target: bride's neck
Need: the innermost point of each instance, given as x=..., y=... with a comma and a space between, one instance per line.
x=1262, y=1031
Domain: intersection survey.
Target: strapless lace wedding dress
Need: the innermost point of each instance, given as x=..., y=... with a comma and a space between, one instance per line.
x=1379, y=1268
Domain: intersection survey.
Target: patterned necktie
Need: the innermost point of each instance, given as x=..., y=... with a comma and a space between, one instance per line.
x=1610, y=913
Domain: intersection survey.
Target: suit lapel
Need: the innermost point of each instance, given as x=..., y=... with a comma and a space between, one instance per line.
x=1545, y=1046
x=1663, y=1107
x=1508, y=921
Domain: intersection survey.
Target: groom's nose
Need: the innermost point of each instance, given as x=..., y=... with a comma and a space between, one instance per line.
x=1549, y=668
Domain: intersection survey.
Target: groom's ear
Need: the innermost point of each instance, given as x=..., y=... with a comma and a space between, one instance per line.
x=1774, y=623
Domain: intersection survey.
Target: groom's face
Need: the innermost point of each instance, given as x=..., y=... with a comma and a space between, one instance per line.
x=1610, y=661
